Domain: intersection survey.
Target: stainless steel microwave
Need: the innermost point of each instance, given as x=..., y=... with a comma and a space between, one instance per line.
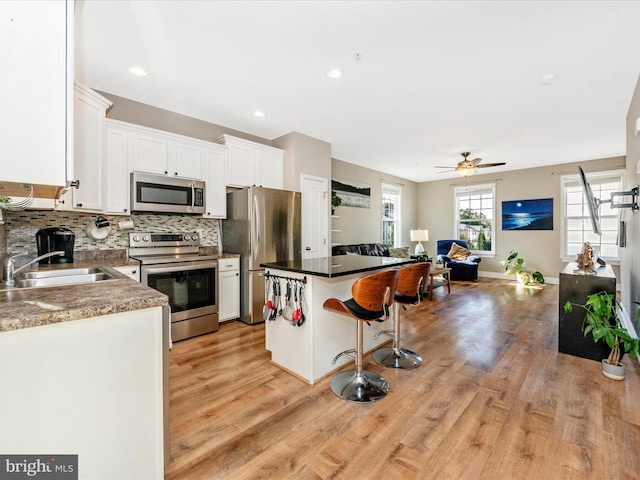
x=161, y=194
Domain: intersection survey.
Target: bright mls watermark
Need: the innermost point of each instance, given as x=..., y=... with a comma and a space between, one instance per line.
x=49, y=467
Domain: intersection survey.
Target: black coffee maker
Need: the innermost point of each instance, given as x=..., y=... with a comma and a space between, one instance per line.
x=55, y=239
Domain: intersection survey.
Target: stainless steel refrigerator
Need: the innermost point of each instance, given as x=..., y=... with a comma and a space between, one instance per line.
x=262, y=225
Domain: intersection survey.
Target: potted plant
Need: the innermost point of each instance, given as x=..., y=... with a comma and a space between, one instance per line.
x=336, y=201
x=514, y=264
x=439, y=264
x=603, y=323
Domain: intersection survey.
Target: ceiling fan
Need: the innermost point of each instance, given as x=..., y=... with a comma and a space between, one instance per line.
x=468, y=167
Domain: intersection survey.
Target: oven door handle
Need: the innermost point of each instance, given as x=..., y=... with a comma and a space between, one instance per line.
x=176, y=268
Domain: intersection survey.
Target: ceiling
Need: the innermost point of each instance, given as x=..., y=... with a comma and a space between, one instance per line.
x=434, y=78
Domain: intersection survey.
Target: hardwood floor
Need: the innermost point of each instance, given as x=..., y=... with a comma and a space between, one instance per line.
x=492, y=400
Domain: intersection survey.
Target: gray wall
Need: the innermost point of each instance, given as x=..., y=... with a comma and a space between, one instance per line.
x=303, y=155
x=540, y=249
x=138, y=113
x=363, y=225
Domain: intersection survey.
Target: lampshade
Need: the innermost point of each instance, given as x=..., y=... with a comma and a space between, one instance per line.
x=419, y=235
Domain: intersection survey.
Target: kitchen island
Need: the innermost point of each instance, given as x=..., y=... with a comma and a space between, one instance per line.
x=84, y=371
x=308, y=350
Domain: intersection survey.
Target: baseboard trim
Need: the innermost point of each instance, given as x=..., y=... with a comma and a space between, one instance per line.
x=504, y=276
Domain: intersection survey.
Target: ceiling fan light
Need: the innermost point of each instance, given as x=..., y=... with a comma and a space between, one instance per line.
x=466, y=171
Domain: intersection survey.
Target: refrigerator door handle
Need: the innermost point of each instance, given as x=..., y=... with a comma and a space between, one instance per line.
x=256, y=228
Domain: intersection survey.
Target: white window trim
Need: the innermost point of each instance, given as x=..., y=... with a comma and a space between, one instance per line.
x=472, y=188
x=564, y=179
x=396, y=190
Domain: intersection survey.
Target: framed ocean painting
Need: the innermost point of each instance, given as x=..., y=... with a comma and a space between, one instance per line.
x=528, y=214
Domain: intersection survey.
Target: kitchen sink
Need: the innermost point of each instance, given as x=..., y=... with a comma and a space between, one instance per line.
x=48, y=278
x=37, y=274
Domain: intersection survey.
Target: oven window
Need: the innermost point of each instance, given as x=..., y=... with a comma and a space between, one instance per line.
x=186, y=289
x=164, y=194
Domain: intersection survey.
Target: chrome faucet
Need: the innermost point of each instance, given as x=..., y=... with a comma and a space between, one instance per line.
x=10, y=270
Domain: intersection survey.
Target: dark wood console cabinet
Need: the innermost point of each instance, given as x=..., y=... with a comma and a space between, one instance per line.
x=575, y=287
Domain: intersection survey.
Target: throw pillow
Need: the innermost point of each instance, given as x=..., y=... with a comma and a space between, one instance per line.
x=458, y=253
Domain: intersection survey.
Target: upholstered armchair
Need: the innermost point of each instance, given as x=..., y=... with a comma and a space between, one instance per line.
x=460, y=269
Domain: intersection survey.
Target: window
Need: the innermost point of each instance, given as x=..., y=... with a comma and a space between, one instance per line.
x=576, y=223
x=475, y=205
x=391, y=215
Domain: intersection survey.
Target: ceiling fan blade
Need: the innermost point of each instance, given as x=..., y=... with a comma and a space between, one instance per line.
x=437, y=166
x=475, y=161
x=491, y=165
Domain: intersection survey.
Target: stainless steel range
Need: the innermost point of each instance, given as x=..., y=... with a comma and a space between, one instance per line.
x=171, y=264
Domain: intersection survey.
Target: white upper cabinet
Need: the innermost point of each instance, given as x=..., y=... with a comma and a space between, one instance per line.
x=164, y=153
x=185, y=159
x=216, y=191
x=37, y=59
x=89, y=150
x=118, y=169
x=250, y=163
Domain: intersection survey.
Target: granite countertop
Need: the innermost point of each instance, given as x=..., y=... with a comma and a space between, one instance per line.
x=338, y=266
x=32, y=307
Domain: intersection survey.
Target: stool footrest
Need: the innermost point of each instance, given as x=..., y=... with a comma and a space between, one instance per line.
x=383, y=332
x=347, y=353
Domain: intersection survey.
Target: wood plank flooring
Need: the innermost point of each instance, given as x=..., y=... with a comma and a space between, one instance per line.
x=492, y=400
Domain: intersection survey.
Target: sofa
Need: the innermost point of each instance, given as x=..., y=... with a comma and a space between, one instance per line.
x=460, y=269
x=370, y=249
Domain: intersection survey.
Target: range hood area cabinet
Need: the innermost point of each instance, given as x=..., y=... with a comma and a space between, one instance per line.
x=132, y=147
x=37, y=60
x=250, y=163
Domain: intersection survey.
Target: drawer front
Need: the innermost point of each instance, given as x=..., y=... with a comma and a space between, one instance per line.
x=227, y=264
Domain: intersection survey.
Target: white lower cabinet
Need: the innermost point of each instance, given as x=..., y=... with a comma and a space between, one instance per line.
x=131, y=271
x=91, y=387
x=228, y=288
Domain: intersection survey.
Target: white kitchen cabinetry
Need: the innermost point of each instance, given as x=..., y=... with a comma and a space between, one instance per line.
x=89, y=150
x=216, y=190
x=164, y=153
x=250, y=163
x=133, y=147
x=118, y=169
x=228, y=288
x=131, y=271
x=37, y=59
x=91, y=387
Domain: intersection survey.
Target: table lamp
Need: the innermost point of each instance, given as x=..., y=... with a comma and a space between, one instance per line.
x=419, y=236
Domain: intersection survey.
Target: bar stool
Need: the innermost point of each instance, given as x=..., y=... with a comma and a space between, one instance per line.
x=412, y=284
x=372, y=297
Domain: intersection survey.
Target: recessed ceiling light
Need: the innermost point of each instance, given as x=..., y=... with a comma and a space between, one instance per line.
x=549, y=78
x=138, y=71
x=259, y=114
x=335, y=73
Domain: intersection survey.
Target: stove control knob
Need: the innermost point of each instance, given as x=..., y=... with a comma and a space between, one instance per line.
x=146, y=238
x=186, y=238
x=194, y=237
x=136, y=238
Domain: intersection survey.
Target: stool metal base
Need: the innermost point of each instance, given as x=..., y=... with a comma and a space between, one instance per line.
x=400, y=358
x=366, y=387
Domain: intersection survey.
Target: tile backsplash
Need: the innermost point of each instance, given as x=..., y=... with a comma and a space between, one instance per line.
x=19, y=229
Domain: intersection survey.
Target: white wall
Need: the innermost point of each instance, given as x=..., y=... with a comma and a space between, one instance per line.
x=630, y=271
